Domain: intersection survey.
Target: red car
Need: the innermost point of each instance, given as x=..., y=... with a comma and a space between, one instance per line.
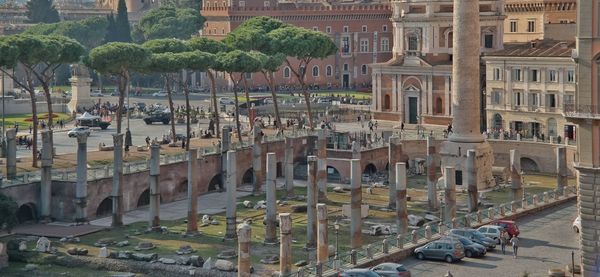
x=510, y=227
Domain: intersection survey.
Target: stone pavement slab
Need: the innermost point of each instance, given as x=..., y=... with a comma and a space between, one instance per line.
x=56, y=230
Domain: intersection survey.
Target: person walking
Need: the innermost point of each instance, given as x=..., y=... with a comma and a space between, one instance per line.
x=503, y=241
x=515, y=244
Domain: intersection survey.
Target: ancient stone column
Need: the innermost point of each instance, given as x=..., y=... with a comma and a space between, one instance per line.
x=471, y=180
x=322, y=165
x=285, y=251
x=46, y=180
x=515, y=175
x=257, y=160
x=81, y=186
x=231, y=191
x=431, y=176
x=311, y=203
x=11, y=154
x=356, y=150
x=244, y=233
x=401, y=209
x=322, y=240
x=394, y=152
x=192, y=191
x=561, y=169
x=450, y=194
x=271, y=185
x=154, y=215
x=355, y=204
x=225, y=145
x=289, y=169
x=117, y=181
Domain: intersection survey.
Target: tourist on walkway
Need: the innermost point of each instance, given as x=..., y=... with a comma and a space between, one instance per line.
x=515, y=244
x=503, y=241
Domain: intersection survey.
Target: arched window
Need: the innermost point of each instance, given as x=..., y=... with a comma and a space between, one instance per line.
x=364, y=69
x=329, y=70
x=286, y=72
x=315, y=71
x=302, y=71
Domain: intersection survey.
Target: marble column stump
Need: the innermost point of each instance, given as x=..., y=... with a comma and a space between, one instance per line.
x=285, y=250
x=311, y=203
x=394, y=152
x=471, y=180
x=431, y=176
x=257, y=163
x=401, y=209
x=515, y=175
x=289, y=169
x=231, y=190
x=46, y=180
x=322, y=165
x=322, y=240
x=244, y=233
x=450, y=194
x=355, y=204
x=81, y=185
x=154, y=215
x=192, y=192
x=117, y=181
x=271, y=186
x=11, y=154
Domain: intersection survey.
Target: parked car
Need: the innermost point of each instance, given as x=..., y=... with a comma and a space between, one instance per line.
x=510, y=226
x=472, y=249
x=491, y=231
x=391, y=270
x=226, y=101
x=79, y=130
x=449, y=250
x=358, y=272
x=96, y=93
x=161, y=93
x=475, y=236
x=577, y=224
x=165, y=118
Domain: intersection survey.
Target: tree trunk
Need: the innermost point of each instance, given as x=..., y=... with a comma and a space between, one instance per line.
x=247, y=101
x=171, y=106
x=213, y=94
x=34, y=121
x=271, y=79
x=308, y=108
x=123, y=80
x=49, y=103
x=187, y=115
x=237, y=110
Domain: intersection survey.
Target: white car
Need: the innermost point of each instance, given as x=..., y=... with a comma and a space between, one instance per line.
x=96, y=93
x=491, y=231
x=161, y=93
x=226, y=101
x=577, y=224
x=79, y=130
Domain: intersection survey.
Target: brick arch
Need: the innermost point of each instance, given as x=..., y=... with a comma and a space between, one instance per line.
x=216, y=183
x=529, y=164
x=247, y=176
x=104, y=208
x=143, y=199
x=335, y=175
x=27, y=212
x=412, y=81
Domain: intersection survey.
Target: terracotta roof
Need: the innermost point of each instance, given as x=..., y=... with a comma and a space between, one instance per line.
x=536, y=48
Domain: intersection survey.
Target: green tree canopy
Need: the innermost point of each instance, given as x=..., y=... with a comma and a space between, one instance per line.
x=166, y=45
x=115, y=57
x=8, y=212
x=89, y=32
x=237, y=61
x=206, y=45
x=301, y=43
x=252, y=34
x=41, y=11
x=169, y=22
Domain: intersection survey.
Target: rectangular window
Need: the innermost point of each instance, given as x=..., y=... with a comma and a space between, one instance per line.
x=513, y=26
x=568, y=100
x=248, y=75
x=345, y=67
x=328, y=29
x=517, y=75
x=345, y=45
x=488, y=41
x=531, y=26
x=534, y=75
x=534, y=99
x=496, y=97
x=315, y=28
x=242, y=3
x=551, y=100
x=364, y=28
x=518, y=98
x=571, y=76
x=552, y=76
x=413, y=43
x=267, y=4
x=497, y=74
x=364, y=45
x=385, y=45
x=384, y=28
x=345, y=29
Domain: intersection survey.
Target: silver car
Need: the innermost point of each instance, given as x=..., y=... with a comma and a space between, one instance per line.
x=447, y=249
x=491, y=231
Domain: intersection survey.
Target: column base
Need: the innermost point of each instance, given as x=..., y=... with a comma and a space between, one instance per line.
x=455, y=154
x=230, y=231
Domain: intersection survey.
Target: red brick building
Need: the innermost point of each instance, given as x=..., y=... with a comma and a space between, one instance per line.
x=363, y=33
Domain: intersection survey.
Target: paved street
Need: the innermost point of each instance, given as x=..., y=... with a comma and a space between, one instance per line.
x=546, y=242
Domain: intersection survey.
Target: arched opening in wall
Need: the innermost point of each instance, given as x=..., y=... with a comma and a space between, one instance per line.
x=497, y=123
x=387, y=166
x=300, y=169
x=387, y=102
x=279, y=166
x=105, y=208
x=248, y=176
x=216, y=183
x=370, y=169
x=27, y=213
x=333, y=175
x=439, y=109
x=180, y=190
x=529, y=165
x=144, y=199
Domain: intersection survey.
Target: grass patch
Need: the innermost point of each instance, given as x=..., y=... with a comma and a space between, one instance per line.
x=20, y=119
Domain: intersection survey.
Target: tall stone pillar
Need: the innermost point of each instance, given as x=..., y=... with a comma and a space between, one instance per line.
x=46, y=180
x=311, y=203
x=394, y=152
x=231, y=191
x=431, y=176
x=192, y=191
x=244, y=233
x=257, y=160
x=154, y=215
x=450, y=194
x=355, y=150
x=117, y=181
x=355, y=204
x=270, y=232
x=322, y=165
x=322, y=241
x=289, y=169
x=401, y=209
x=587, y=181
x=471, y=181
x=225, y=145
x=562, y=172
x=285, y=251
x=466, y=96
x=81, y=186
x=11, y=154
x=515, y=175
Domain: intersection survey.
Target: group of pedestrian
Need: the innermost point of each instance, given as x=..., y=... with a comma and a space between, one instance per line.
x=506, y=239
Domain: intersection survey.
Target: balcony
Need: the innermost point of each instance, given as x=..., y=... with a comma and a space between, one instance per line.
x=581, y=111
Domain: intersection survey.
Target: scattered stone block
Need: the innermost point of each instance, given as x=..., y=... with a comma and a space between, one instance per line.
x=144, y=257
x=271, y=259
x=214, y=222
x=103, y=242
x=103, y=252
x=30, y=267
x=247, y=204
x=207, y=264
x=338, y=189
x=301, y=263
x=43, y=245
x=166, y=261
x=122, y=243
x=224, y=265
x=197, y=261
x=431, y=217
x=145, y=245
x=299, y=208
x=379, y=230
x=415, y=220
x=183, y=260
x=260, y=205
x=227, y=254
x=364, y=210
x=185, y=250
x=22, y=246
x=205, y=219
